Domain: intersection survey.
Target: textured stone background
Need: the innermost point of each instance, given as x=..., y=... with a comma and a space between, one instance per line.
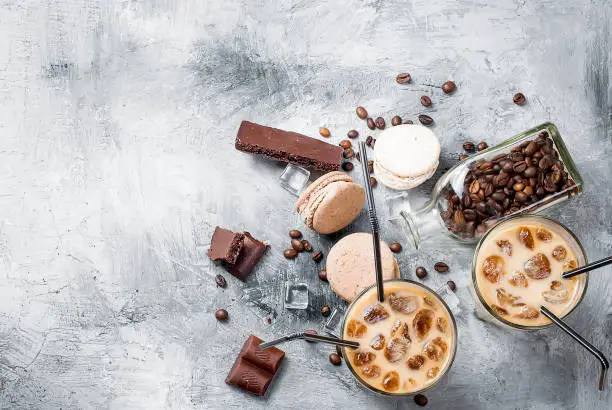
x=117, y=160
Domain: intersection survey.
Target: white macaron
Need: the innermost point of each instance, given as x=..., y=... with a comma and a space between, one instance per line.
x=405, y=156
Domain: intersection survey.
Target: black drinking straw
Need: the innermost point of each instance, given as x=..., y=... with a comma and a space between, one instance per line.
x=373, y=221
x=588, y=267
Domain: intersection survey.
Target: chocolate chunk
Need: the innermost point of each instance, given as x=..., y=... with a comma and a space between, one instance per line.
x=288, y=146
x=249, y=256
x=255, y=368
x=225, y=245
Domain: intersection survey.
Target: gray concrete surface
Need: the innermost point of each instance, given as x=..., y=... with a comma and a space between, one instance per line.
x=117, y=160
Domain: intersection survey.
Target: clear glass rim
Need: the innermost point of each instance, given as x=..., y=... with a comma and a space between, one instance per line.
x=452, y=353
x=474, y=268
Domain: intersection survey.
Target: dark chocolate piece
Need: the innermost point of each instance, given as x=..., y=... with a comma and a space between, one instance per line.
x=250, y=254
x=254, y=368
x=288, y=146
x=225, y=245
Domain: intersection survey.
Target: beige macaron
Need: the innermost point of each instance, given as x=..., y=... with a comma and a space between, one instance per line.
x=350, y=265
x=331, y=202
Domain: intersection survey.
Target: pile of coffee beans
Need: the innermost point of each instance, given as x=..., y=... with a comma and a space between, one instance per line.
x=299, y=245
x=507, y=184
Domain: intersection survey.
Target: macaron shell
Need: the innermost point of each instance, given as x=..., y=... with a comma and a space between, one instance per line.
x=350, y=265
x=407, y=151
x=317, y=184
x=392, y=181
x=340, y=205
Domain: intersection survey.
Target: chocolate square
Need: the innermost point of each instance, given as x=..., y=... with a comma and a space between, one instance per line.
x=225, y=245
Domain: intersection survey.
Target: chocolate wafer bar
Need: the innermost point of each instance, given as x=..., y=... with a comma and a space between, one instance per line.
x=288, y=146
x=225, y=245
x=255, y=368
x=240, y=251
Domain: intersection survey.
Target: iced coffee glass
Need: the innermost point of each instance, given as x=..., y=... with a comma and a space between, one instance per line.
x=407, y=343
x=517, y=268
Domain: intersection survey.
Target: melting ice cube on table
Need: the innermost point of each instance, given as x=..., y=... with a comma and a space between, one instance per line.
x=296, y=296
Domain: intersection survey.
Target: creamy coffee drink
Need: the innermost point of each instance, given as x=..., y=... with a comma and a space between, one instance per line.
x=406, y=343
x=519, y=267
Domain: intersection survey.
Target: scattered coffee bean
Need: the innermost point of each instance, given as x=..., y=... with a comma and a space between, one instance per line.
x=295, y=234
x=373, y=182
x=269, y=320
x=420, y=400
x=221, y=315
x=519, y=99
x=370, y=166
x=408, y=122
x=463, y=156
x=335, y=359
x=323, y=275
x=347, y=166
x=421, y=272
x=468, y=146
x=371, y=124
x=339, y=351
x=403, y=78
x=297, y=245
x=397, y=120
x=290, y=253
x=441, y=267
x=352, y=134
x=369, y=140
x=452, y=286
x=325, y=311
x=324, y=132
x=425, y=101
x=395, y=247
x=361, y=113
x=448, y=87
x=220, y=281
x=307, y=245
x=346, y=144
x=380, y=123
x=348, y=153
x=425, y=119
x=482, y=146
x=317, y=256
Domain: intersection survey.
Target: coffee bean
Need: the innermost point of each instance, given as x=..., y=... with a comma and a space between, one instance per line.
x=540, y=191
x=339, y=351
x=519, y=167
x=317, y=256
x=346, y=144
x=297, y=245
x=395, y=247
x=469, y=215
x=482, y=146
x=324, y=132
x=441, y=267
x=370, y=166
x=221, y=315
x=425, y=119
x=519, y=186
x=531, y=171
x=519, y=99
x=295, y=234
x=220, y=281
x=448, y=87
x=421, y=272
x=425, y=101
x=335, y=359
x=380, y=123
x=531, y=148
x=307, y=245
x=469, y=146
x=545, y=163
x=408, y=122
x=352, y=134
x=323, y=275
x=520, y=197
x=528, y=190
x=347, y=166
x=361, y=113
x=325, y=311
x=348, y=153
x=452, y=286
x=370, y=123
x=420, y=400
x=498, y=196
x=373, y=182
x=396, y=120
x=403, y=78
x=290, y=253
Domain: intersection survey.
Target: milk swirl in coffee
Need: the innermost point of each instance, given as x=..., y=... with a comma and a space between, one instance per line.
x=407, y=342
x=519, y=268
